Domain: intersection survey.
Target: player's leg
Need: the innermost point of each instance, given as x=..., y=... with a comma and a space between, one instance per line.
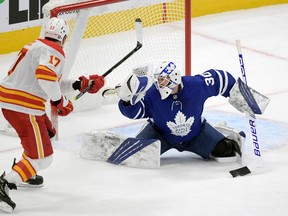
x=35, y=140
x=35, y=181
x=33, y=133
x=148, y=131
x=233, y=141
x=226, y=148
x=38, y=180
x=212, y=143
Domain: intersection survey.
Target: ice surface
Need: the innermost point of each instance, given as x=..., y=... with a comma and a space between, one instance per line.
x=185, y=184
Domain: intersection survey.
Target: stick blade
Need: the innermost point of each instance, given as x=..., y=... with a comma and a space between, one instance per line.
x=139, y=34
x=240, y=172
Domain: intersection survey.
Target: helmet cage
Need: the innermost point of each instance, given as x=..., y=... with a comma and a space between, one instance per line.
x=167, y=77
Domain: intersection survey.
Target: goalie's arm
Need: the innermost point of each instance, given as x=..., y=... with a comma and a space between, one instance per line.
x=217, y=82
x=136, y=111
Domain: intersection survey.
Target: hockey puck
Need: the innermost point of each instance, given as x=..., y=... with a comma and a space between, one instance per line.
x=240, y=172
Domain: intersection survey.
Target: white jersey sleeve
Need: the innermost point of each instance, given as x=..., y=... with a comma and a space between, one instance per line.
x=49, y=71
x=33, y=78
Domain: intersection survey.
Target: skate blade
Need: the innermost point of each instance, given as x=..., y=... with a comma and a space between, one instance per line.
x=26, y=185
x=5, y=207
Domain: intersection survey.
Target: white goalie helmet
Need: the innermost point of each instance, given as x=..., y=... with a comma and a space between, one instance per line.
x=166, y=76
x=57, y=29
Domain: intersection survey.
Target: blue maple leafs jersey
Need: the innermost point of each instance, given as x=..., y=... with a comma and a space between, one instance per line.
x=178, y=118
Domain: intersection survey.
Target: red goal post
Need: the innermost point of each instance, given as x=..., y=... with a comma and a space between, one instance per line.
x=102, y=32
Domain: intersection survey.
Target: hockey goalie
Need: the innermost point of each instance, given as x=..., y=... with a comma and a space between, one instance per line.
x=173, y=106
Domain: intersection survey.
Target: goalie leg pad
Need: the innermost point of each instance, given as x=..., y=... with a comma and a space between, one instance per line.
x=231, y=133
x=128, y=148
x=120, y=150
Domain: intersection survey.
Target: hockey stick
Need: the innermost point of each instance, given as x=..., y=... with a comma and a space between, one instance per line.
x=251, y=118
x=138, y=27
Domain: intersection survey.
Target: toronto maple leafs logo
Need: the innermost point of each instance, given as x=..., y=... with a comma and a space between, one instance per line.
x=181, y=126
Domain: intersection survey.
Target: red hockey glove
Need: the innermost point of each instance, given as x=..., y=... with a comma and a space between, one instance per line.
x=98, y=83
x=64, y=106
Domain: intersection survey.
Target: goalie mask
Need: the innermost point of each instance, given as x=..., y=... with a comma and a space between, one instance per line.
x=56, y=29
x=167, y=77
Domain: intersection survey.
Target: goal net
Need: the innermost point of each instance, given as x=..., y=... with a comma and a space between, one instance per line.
x=103, y=32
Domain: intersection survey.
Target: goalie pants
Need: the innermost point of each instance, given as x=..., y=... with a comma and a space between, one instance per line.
x=203, y=144
x=34, y=132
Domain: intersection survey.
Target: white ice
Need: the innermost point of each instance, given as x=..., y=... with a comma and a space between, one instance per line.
x=185, y=184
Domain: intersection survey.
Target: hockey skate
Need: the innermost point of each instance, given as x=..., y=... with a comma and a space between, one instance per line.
x=34, y=182
x=237, y=138
x=6, y=204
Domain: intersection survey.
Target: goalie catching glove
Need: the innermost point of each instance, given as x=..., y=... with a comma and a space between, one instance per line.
x=246, y=99
x=134, y=88
x=64, y=106
x=96, y=81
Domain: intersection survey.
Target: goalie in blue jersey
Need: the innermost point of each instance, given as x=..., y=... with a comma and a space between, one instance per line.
x=174, y=105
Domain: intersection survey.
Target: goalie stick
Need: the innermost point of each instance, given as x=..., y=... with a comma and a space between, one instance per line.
x=138, y=27
x=257, y=155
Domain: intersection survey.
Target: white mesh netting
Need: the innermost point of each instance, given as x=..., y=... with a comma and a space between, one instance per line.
x=110, y=34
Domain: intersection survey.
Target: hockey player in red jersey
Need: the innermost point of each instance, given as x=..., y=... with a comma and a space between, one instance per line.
x=33, y=79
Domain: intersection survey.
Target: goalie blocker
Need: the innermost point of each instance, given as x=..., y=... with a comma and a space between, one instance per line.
x=246, y=99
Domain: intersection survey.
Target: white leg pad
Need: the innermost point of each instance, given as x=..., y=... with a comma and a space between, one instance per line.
x=233, y=134
x=104, y=145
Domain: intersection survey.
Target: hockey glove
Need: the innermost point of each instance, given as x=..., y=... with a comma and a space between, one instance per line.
x=64, y=106
x=96, y=81
x=134, y=88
